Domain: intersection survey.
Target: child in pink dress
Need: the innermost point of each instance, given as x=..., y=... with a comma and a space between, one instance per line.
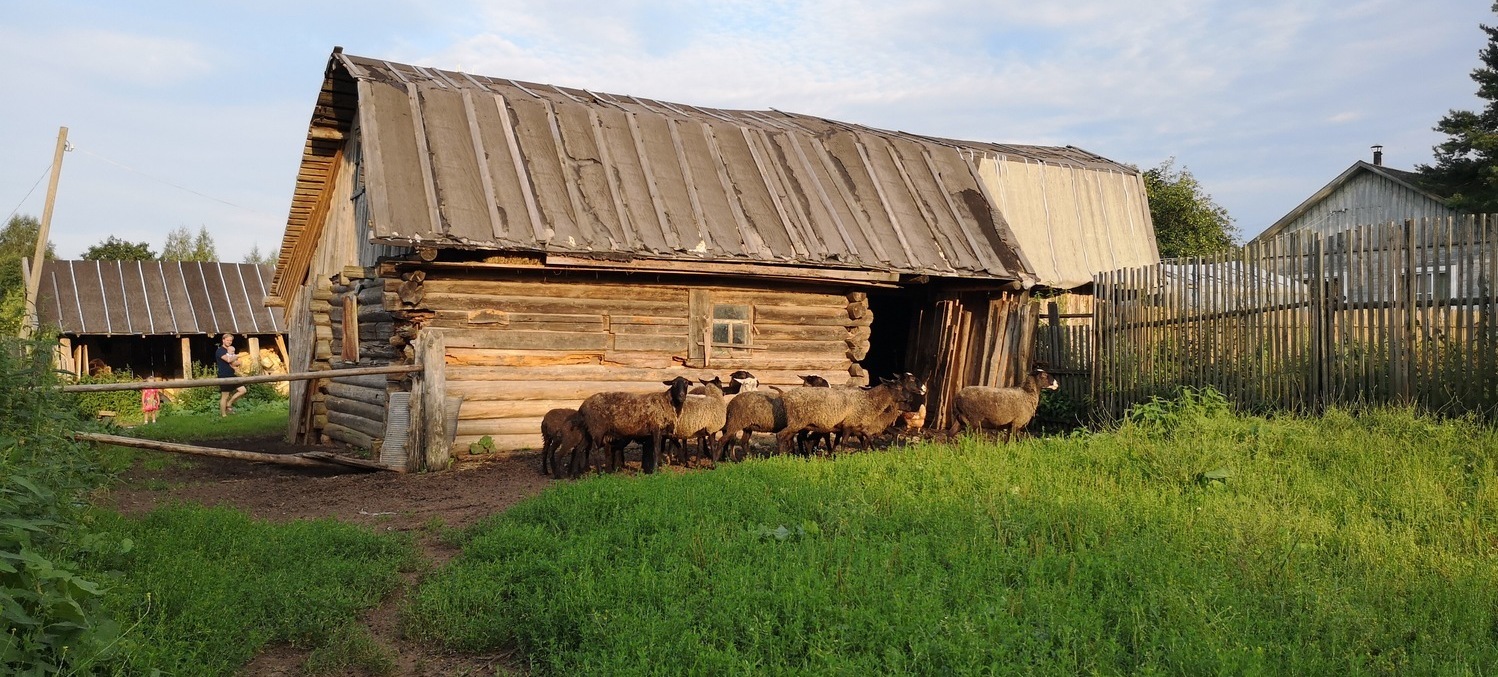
x=150, y=401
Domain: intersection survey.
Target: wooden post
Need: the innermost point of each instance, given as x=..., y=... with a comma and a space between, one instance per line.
x=65, y=355
x=254, y=355
x=1411, y=291
x=434, y=401
x=186, y=357
x=34, y=274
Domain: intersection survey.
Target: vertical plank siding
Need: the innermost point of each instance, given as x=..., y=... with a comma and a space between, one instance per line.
x=1387, y=313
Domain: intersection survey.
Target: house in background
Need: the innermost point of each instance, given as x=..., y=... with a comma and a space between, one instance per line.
x=156, y=316
x=1365, y=194
x=531, y=244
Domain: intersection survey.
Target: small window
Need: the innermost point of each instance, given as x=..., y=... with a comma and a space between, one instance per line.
x=730, y=325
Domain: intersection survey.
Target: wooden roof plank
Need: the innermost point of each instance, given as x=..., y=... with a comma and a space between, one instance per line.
x=672, y=240
x=691, y=184
x=486, y=180
x=538, y=229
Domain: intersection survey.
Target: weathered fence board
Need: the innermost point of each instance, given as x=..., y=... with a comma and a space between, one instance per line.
x=1387, y=313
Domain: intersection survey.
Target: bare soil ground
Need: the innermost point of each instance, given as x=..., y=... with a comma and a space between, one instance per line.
x=385, y=501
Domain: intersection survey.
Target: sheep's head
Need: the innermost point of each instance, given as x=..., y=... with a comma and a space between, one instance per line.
x=678, y=391
x=814, y=381
x=1044, y=380
x=713, y=382
x=741, y=382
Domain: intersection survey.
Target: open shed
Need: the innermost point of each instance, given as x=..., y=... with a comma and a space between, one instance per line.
x=155, y=316
x=534, y=244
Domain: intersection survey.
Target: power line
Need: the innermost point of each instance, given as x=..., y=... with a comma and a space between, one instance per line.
x=29, y=192
x=169, y=183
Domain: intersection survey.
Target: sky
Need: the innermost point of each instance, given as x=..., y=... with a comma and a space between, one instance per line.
x=195, y=114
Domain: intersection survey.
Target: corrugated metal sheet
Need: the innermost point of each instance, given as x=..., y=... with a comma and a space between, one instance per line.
x=1365, y=194
x=149, y=298
x=1072, y=215
x=456, y=160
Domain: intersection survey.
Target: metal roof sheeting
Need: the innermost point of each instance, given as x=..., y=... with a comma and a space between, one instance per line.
x=457, y=160
x=147, y=298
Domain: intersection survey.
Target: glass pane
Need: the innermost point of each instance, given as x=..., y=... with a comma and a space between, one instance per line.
x=741, y=334
x=726, y=312
x=720, y=332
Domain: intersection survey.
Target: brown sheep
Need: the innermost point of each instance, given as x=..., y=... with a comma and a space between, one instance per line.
x=613, y=419
x=1007, y=409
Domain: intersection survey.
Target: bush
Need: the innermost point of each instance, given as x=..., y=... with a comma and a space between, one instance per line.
x=125, y=403
x=205, y=400
x=51, y=619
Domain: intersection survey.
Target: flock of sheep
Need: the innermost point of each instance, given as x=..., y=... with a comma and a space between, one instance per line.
x=801, y=419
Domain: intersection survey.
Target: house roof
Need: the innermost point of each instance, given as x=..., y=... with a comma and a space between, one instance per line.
x=1398, y=176
x=458, y=160
x=149, y=298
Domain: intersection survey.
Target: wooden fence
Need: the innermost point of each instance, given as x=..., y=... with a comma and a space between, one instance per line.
x=1388, y=313
x=1064, y=344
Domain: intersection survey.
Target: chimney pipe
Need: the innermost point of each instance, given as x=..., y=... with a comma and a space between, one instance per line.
x=1378, y=156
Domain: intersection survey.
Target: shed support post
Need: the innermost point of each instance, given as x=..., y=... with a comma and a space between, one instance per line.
x=434, y=401
x=186, y=357
x=65, y=355
x=254, y=355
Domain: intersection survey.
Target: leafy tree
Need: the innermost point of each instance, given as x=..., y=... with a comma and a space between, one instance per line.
x=181, y=245
x=1466, y=167
x=1187, y=221
x=17, y=243
x=259, y=259
x=115, y=249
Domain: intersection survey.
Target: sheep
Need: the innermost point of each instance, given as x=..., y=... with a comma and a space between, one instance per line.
x=613, y=419
x=1008, y=409
x=756, y=411
x=871, y=418
x=562, y=434
x=554, y=426
x=828, y=410
x=702, y=416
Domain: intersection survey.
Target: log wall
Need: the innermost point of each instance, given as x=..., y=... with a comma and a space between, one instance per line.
x=519, y=345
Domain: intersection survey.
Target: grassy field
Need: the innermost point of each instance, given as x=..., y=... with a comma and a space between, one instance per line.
x=1187, y=541
x=267, y=418
x=200, y=591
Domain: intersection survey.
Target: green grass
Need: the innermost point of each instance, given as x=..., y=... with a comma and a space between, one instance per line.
x=1188, y=541
x=201, y=590
x=268, y=418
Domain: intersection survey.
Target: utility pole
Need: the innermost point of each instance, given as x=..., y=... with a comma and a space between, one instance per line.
x=34, y=280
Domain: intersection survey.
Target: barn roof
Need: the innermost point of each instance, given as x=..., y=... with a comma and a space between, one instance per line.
x=146, y=298
x=458, y=160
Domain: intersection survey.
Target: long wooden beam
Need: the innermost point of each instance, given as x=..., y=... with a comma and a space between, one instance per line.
x=282, y=459
x=240, y=380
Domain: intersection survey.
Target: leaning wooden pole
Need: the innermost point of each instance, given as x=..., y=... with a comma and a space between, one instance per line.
x=282, y=459
x=240, y=380
x=34, y=273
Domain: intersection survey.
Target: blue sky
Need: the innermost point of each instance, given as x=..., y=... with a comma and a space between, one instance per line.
x=194, y=114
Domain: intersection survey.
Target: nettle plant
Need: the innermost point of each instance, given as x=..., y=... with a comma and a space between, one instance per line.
x=51, y=619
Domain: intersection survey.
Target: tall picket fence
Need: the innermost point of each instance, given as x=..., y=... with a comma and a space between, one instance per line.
x=1387, y=313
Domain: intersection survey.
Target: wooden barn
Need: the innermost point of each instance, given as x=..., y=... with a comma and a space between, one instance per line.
x=529, y=245
x=155, y=317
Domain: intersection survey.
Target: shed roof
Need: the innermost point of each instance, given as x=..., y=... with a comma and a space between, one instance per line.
x=147, y=298
x=457, y=160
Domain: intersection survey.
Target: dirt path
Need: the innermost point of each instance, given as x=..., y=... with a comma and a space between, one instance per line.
x=417, y=503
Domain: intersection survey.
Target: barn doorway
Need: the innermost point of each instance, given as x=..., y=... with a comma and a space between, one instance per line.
x=891, y=335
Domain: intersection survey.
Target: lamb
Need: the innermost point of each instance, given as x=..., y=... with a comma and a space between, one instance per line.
x=1008, y=409
x=613, y=419
x=828, y=410
x=562, y=432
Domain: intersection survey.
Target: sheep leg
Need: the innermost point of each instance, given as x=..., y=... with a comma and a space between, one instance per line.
x=546, y=456
x=649, y=455
x=784, y=439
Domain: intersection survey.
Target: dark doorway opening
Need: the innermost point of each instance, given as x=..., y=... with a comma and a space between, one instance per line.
x=892, y=334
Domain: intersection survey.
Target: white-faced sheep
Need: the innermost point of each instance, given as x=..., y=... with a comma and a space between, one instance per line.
x=1007, y=409
x=613, y=419
x=826, y=410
